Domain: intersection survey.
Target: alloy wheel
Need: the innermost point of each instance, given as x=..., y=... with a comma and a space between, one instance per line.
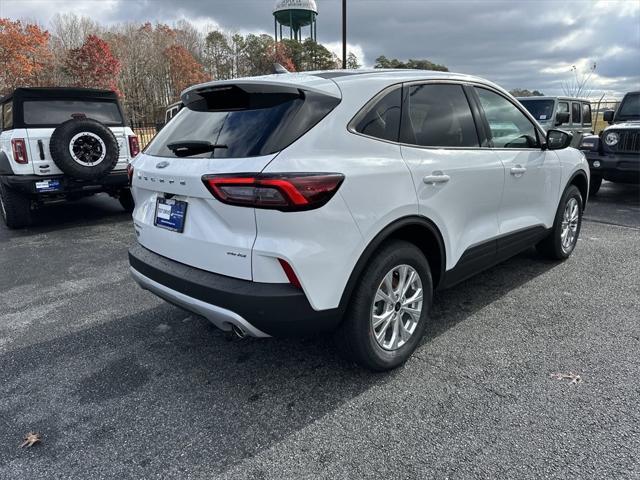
x=397, y=307
x=570, y=220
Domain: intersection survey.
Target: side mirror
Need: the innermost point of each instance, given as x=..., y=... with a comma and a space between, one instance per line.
x=607, y=116
x=562, y=117
x=558, y=139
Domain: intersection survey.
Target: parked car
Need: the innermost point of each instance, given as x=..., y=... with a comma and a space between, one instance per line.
x=571, y=114
x=171, y=111
x=61, y=144
x=614, y=155
x=297, y=203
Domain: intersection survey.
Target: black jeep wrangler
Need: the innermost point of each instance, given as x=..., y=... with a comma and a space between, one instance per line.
x=614, y=155
x=61, y=144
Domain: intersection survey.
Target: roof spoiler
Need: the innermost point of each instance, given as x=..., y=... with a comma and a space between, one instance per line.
x=278, y=69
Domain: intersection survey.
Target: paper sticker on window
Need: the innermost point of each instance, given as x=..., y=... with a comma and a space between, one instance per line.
x=543, y=117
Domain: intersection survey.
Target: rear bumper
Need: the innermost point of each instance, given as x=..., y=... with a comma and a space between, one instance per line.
x=615, y=167
x=27, y=183
x=260, y=309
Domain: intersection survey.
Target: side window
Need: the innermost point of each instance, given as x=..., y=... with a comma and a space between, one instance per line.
x=382, y=120
x=509, y=127
x=7, y=115
x=576, y=117
x=586, y=114
x=437, y=115
x=563, y=107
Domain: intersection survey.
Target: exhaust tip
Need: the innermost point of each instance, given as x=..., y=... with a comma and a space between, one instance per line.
x=239, y=332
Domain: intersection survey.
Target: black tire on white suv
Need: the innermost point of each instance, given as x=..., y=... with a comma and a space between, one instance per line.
x=553, y=246
x=356, y=336
x=15, y=207
x=84, y=148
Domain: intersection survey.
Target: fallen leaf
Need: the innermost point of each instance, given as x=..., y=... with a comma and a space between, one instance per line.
x=574, y=377
x=31, y=439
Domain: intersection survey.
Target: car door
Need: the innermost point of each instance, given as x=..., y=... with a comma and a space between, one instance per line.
x=532, y=174
x=458, y=182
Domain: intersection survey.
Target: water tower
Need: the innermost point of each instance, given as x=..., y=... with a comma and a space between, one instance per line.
x=295, y=14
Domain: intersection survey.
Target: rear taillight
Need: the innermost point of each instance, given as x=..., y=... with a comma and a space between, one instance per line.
x=19, y=148
x=288, y=271
x=134, y=145
x=285, y=191
x=130, y=173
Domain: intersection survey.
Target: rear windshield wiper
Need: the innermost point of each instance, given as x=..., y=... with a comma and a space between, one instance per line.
x=187, y=148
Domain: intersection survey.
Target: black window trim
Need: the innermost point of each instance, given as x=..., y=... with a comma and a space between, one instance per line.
x=482, y=125
x=351, y=126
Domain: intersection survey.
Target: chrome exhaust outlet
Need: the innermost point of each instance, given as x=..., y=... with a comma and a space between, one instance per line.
x=240, y=333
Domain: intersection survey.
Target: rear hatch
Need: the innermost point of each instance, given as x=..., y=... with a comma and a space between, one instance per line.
x=43, y=115
x=225, y=128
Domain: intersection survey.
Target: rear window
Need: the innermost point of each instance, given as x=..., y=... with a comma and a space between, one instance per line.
x=55, y=112
x=242, y=122
x=438, y=116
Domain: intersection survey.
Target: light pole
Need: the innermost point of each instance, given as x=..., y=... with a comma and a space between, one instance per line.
x=344, y=34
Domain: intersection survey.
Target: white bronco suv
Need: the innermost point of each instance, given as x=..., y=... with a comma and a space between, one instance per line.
x=297, y=203
x=61, y=144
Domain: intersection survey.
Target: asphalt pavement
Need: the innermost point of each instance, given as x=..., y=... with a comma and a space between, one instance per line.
x=122, y=385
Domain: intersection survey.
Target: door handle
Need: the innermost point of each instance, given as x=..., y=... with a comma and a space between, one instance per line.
x=437, y=177
x=518, y=170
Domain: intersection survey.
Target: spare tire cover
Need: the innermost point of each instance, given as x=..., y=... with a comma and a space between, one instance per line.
x=84, y=148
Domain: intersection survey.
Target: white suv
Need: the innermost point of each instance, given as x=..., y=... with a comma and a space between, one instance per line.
x=61, y=144
x=296, y=203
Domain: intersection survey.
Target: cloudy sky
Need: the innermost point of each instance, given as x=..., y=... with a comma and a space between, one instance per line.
x=517, y=43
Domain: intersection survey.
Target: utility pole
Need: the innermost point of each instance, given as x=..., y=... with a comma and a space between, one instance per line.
x=344, y=34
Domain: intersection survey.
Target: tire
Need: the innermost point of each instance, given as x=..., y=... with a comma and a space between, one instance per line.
x=552, y=247
x=15, y=208
x=126, y=200
x=356, y=336
x=594, y=185
x=95, y=148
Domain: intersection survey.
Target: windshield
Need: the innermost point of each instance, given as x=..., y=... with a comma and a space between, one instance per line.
x=630, y=107
x=55, y=112
x=541, y=110
x=234, y=123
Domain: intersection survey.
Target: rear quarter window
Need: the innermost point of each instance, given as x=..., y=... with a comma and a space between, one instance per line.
x=586, y=114
x=576, y=112
x=7, y=116
x=55, y=112
x=382, y=119
x=247, y=123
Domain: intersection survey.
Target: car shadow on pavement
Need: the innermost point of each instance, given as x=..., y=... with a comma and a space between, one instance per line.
x=454, y=305
x=95, y=210
x=175, y=390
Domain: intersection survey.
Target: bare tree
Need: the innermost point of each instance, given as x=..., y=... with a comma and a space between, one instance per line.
x=579, y=85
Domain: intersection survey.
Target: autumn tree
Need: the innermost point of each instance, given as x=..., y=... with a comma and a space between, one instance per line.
x=24, y=55
x=93, y=65
x=184, y=70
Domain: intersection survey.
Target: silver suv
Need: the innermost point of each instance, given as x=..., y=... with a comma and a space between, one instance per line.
x=572, y=114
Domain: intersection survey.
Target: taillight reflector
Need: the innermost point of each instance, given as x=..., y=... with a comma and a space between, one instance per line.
x=19, y=148
x=291, y=275
x=285, y=192
x=130, y=173
x=134, y=145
